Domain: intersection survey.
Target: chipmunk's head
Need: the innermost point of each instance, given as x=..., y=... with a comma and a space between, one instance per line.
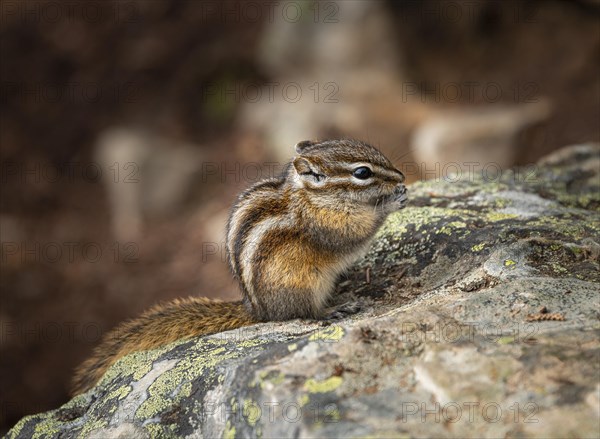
x=351, y=172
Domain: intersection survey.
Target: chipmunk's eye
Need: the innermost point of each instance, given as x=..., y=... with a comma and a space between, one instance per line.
x=362, y=173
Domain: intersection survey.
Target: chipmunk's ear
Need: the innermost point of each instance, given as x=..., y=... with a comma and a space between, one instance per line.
x=307, y=170
x=301, y=146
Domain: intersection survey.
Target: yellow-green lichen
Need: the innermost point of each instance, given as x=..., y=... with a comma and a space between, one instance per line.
x=509, y=263
x=251, y=412
x=501, y=203
x=333, y=414
x=303, y=400
x=567, y=227
x=47, y=425
x=328, y=385
x=90, y=426
x=505, y=340
x=253, y=342
x=161, y=430
x=119, y=393
x=333, y=333
x=292, y=347
x=478, y=247
x=186, y=390
x=274, y=377
x=201, y=360
x=229, y=432
x=393, y=225
x=16, y=430
x=278, y=378
x=499, y=216
x=234, y=404
x=136, y=364
x=448, y=228
x=418, y=216
x=578, y=200
x=559, y=269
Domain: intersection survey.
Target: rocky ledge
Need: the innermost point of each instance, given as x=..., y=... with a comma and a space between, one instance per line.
x=479, y=318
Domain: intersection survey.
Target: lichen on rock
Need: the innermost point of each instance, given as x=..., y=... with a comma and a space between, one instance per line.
x=441, y=348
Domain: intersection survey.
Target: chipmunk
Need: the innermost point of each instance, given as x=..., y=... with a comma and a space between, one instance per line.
x=288, y=240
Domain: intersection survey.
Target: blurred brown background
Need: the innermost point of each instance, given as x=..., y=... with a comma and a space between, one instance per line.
x=127, y=129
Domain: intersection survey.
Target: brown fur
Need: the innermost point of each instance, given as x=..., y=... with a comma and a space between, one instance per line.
x=288, y=239
x=162, y=324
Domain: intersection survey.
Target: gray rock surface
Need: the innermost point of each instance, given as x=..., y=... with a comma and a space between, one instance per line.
x=444, y=345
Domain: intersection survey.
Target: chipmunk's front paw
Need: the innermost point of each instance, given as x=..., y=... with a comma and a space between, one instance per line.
x=344, y=310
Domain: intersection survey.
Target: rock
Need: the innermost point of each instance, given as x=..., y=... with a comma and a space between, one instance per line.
x=441, y=348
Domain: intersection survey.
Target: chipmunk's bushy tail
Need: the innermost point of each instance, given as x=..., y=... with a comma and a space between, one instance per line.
x=163, y=324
